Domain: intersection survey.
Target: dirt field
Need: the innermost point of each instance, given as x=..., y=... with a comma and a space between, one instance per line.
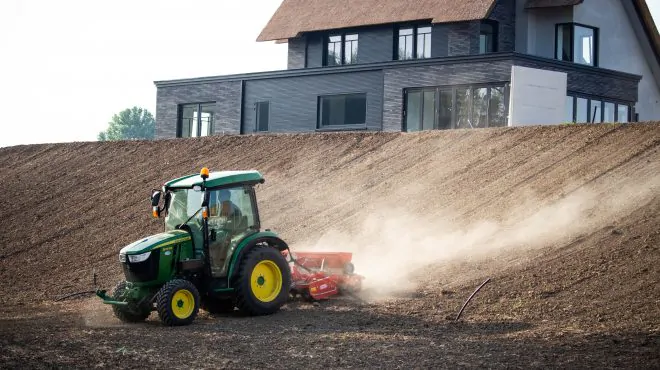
x=564, y=220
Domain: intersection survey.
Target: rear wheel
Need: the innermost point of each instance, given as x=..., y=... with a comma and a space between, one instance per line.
x=264, y=281
x=130, y=313
x=177, y=302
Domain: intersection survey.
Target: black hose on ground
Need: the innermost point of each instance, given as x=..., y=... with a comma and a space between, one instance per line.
x=470, y=298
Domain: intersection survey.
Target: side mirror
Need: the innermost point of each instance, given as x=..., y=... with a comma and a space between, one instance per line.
x=155, y=200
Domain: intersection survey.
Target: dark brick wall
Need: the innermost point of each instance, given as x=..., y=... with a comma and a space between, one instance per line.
x=293, y=100
x=296, y=53
x=440, y=40
x=591, y=82
x=397, y=79
x=505, y=13
x=376, y=45
x=314, y=50
x=227, y=110
x=463, y=39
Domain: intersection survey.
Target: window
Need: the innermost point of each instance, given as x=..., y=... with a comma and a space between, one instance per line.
x=488, y=37
x=262, y=109
x=456, y=107
x=195, y=120
x=413, y=42
x=342, y=110
x=582, y=109
x=576, y=43
x=341, y=49
x=623, y=114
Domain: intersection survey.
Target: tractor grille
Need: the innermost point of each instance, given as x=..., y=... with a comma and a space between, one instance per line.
x=142, y=271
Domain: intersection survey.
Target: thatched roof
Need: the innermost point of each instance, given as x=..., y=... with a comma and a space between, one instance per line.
x=296, y=16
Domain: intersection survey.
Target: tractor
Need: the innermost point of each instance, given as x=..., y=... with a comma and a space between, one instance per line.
x=211, y=255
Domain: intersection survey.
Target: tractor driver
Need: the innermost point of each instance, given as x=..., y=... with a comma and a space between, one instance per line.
x=222, y=206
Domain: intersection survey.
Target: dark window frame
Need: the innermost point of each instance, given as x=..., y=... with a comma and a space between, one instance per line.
x=342, y=47
x=602, y=99
x=572, y=25
x=503, y=84
x=415, y=29
x=258, y=113
x=495, y=27
x=179, y=118
x=319, y=111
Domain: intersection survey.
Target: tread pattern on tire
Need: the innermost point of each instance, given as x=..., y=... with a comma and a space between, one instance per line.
x=245, y=301
x=164, y=302
x=120, y=312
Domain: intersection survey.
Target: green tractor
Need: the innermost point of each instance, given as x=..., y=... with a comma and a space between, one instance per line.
x=212, y=254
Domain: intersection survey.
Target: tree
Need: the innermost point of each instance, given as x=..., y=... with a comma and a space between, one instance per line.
x=130, y=124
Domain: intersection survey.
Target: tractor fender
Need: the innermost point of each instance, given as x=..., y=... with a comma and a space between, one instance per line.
x=265, y=237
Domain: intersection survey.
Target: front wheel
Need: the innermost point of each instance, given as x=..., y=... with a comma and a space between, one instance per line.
x=264, y=281
x=130, y=313
x=177, y=302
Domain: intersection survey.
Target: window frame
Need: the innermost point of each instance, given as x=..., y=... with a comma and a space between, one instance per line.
x=603, y=100
x=495, y=26
x=342, y=47
x=258, y=113
x=573, y=25
x=506, y=85
x=415, y=34
x=198, y=105
x=319, y=112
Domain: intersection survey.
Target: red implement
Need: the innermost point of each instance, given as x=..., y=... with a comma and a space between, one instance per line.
x=320, y=275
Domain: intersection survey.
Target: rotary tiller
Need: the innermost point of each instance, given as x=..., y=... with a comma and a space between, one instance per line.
x=320, y=275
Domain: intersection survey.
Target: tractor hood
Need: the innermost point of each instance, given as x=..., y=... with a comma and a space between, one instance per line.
x=156, y=241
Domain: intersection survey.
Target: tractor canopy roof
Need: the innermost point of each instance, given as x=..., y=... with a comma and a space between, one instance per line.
x=217, y=179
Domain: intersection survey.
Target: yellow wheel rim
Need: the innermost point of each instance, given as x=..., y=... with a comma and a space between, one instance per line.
x=183, y=304
x=266, y=281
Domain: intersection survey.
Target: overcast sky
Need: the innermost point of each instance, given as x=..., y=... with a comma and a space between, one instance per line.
x=67, y=66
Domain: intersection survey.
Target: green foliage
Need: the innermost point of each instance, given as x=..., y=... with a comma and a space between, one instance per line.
x=130, y=124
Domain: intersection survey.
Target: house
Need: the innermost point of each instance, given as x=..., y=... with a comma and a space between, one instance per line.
x=409, y=65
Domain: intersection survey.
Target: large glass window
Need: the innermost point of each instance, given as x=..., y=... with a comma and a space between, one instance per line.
x=341, y=49
x=623, y=113
x=455, y=107
x=413, y=42
x=497, y=114
x=569, y=109
x=195, y=120
x=582, y=109
x=608, y=112
x=576, y=43
x=343, y=110
x=488, y=37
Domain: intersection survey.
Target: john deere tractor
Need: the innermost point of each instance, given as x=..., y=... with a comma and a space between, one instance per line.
x=212, y=254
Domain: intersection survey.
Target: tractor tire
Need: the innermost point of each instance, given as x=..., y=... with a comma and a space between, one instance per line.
x=218, y=305
x=124, y=313
x=263, y=282
x=177, y=302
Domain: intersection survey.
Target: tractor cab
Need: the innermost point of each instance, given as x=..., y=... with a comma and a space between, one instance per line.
x=218, y=210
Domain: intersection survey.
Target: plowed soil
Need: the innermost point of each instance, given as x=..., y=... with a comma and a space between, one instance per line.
x=563, y=220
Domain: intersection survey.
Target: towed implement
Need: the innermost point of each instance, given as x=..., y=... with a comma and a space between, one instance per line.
x=213, y=255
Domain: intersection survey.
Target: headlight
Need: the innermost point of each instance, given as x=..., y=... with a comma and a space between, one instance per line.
x=135, y=258
x=122, y=257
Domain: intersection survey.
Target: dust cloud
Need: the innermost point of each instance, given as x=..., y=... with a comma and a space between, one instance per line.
x=391, y=244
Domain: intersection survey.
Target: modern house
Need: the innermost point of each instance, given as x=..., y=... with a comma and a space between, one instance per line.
x=409, y=65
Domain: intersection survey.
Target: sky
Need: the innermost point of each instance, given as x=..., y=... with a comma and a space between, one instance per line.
x=67, y=66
